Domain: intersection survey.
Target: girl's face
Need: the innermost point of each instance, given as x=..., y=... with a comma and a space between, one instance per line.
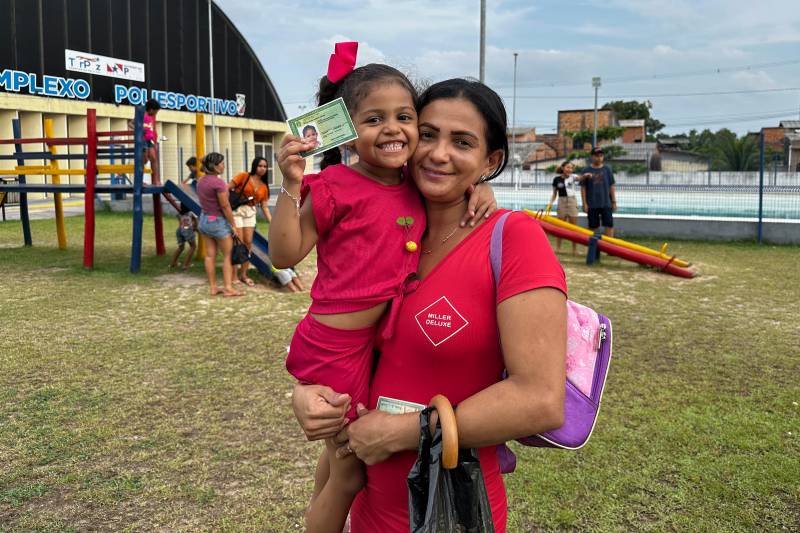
x=386, y=122
x=452, y=153
x=567, y=169
x=261, y=169
x=219, y=167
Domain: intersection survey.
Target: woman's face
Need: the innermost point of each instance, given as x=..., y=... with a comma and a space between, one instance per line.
x=567, y=169
x=452, y=153
x=220, y=167
x=261, y=169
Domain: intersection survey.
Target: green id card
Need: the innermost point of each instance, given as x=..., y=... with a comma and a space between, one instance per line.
x=398, y=407
x=328, y=126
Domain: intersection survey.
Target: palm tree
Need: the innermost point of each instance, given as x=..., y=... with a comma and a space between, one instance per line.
x=735, y=154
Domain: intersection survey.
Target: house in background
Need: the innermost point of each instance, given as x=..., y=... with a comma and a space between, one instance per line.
x=634, y=131
x=791, y=144
x=521, y=135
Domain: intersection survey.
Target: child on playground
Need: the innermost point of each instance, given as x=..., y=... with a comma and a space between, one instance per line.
x=185, y=233
x=366, y=222
x=191, y=179
x=151, y=109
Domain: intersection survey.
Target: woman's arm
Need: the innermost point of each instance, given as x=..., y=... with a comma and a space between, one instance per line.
x=224, y=204
x=265, y=209
x=293, y=232
x=530, y=401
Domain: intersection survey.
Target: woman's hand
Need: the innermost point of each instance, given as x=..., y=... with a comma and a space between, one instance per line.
x=376, y=435
x=320, y=410
x=482, y=203
x=292, y=164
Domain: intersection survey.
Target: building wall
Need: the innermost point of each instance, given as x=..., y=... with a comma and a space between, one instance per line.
x=633, y=135
x=773, y=138
x=583, y=119
x=235, y=134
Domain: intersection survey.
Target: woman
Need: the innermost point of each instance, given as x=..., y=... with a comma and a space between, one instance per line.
x=565, y=189
x=216, y=224
x=251, y=185
x=441, y=343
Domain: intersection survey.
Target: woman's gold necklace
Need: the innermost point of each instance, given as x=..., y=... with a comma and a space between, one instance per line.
x=429, y=251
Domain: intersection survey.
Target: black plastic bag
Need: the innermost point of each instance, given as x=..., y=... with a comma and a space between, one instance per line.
x=446, y=501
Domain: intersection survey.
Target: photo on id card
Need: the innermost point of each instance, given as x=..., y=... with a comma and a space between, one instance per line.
x=327, y=126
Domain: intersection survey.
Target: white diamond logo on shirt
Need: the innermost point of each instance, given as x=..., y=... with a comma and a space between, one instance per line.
x=440, y=321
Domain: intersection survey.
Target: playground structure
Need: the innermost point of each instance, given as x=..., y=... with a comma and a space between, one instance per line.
x=104, y=146
x=597, y=242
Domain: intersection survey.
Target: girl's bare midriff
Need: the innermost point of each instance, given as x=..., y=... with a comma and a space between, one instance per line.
x=354, y=320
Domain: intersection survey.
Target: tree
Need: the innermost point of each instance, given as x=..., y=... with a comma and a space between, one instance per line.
x=632, y=109
x=736, y=154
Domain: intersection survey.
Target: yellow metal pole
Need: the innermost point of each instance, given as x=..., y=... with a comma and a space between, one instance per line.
x=200, y=145
x=59, y=204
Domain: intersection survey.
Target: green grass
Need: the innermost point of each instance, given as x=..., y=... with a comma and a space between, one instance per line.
x=137, y=402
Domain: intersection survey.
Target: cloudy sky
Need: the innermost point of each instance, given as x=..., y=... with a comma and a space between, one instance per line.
x=643, y=49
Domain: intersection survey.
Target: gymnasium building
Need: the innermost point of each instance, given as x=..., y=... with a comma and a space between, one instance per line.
x=60, y=57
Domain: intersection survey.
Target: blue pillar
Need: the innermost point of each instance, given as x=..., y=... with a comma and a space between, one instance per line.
x=138, y=177
x=23, y=196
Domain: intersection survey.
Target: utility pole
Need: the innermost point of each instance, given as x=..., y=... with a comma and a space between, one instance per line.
x=482, y=75
x=514, y=128
x=211, y=69
x=596, y=84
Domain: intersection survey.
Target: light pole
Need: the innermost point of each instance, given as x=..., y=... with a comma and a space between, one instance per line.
x=514, y=127
x=211, y=71
x=482, y=75
x=596, y=84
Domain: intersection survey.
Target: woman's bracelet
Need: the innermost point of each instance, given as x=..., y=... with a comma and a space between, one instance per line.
x=295, y=199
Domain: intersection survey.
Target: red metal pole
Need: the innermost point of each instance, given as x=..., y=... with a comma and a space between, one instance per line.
x=91, y=176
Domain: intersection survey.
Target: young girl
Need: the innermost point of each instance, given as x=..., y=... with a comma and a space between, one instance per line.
x=151, y=108
x=565, y=189
x=366, y=221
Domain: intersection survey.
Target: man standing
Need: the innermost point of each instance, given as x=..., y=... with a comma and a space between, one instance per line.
x=598, y=193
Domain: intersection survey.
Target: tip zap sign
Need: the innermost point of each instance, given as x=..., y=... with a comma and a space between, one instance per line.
x=98, y=65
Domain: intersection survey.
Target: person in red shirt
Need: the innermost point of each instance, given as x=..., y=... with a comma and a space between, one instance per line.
x=444, y=341
x=366, y=222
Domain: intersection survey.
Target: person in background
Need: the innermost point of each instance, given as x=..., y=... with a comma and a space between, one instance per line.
x=598, y=193
x=251, y=185
x=191, y=179
x=565, y=189
x=185, y=233
x=216, y=223
x=288, y=278
x=151, y=109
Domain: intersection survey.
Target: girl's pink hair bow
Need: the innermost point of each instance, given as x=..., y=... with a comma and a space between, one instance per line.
x=342, y=61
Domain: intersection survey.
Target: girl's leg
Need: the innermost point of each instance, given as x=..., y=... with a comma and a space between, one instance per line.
x=175, y=256
x=210, y=262
x=573, y=220
x=226, y=245
x=188, y=262
x=152, y=156
x=247, y=239
x=328, y=510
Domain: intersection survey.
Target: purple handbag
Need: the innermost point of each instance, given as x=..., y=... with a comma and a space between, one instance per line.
x=588, y=356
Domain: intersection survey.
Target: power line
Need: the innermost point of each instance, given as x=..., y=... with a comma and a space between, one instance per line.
x=672, y=75
x=661, y=95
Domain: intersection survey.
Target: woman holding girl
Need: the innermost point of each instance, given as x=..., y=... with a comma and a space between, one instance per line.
x=250, y=185
x=216, y=223
x=462, y=142
x=367, y=223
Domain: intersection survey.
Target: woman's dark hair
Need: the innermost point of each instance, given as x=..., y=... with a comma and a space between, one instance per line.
x=211, y=160
x=254, y=164
x=151, y=105
x=353, y=88
x=486, y=101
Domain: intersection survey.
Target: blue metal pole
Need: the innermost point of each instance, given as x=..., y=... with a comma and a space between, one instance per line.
x=761, y=187
x=23, y=197
x=138, y=178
